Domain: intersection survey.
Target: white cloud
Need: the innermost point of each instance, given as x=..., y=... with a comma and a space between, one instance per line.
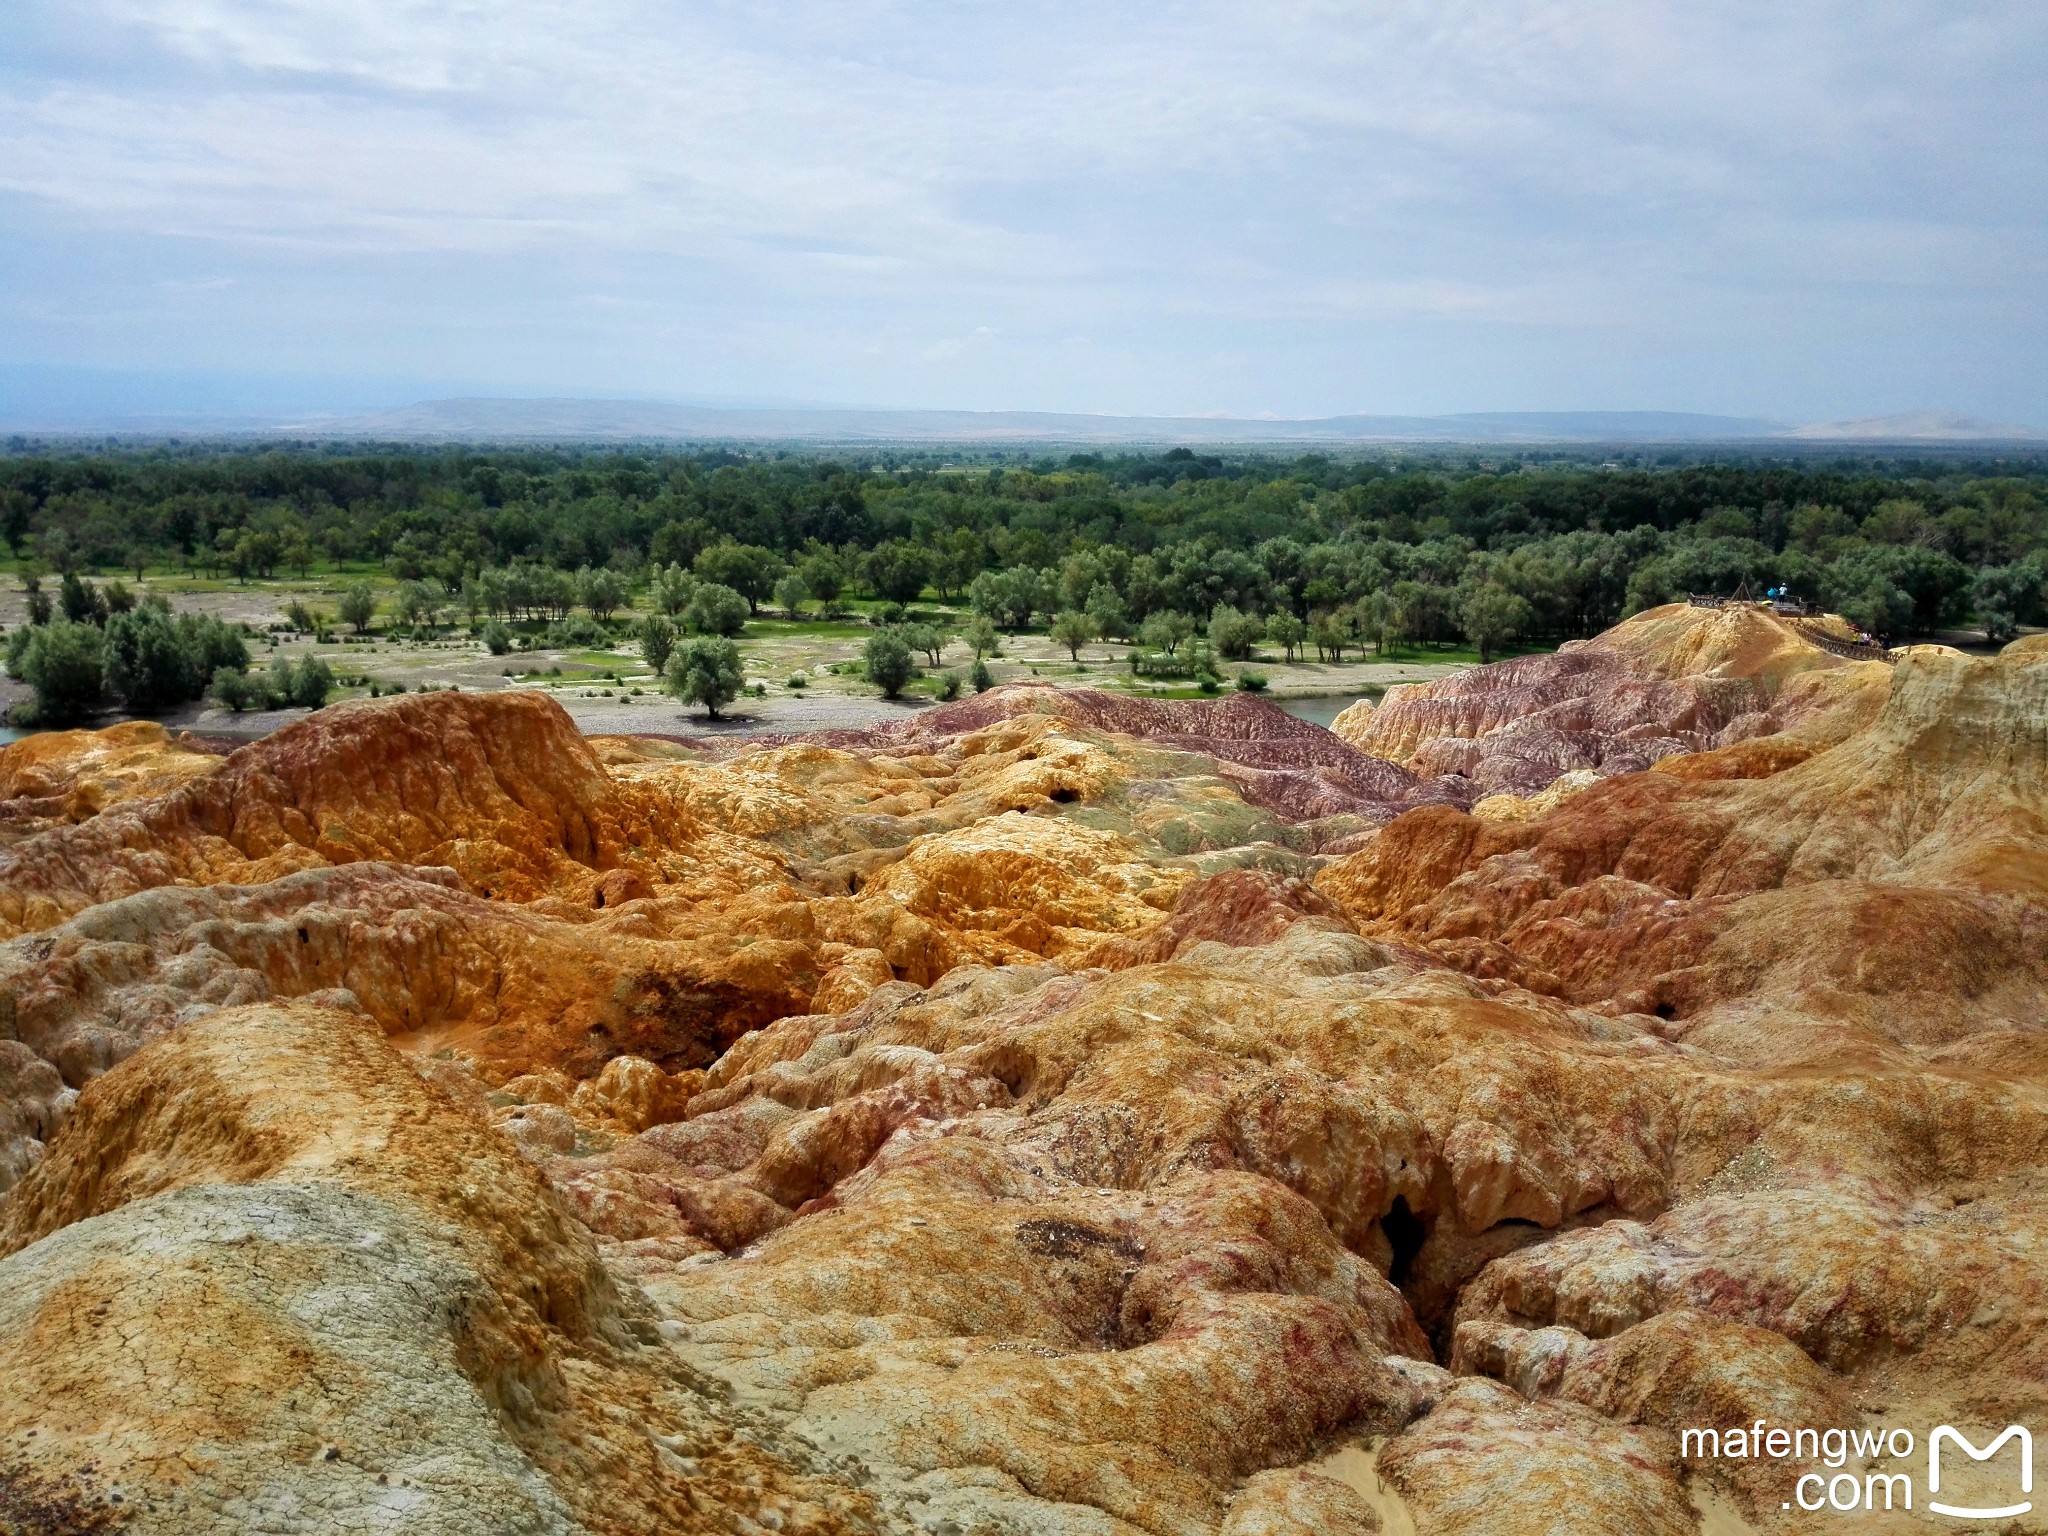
x=912, y=169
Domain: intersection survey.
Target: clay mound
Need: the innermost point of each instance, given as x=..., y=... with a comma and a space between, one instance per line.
x=1241, y=907
x=1278, y=761
x=1053, y=1174
x=1023, y=1127
x=267, y=1275
x=1672, y=680
x=1882, y=870
x=500, y=788
x=57, y=777
x=1743, y=640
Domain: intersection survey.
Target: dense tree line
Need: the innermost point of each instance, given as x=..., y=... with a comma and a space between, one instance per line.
x=1312, y=552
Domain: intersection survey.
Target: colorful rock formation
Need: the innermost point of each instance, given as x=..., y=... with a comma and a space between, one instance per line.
x=1062, y=1113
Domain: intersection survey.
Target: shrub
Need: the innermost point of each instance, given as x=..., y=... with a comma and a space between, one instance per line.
x=797, y=681
x=310, y=682
x=299, y=616
x=1251, y=682
x=236, y=690
x=949, y=687
x=580, y=631
x=979, y=678
x=153, y=660
x=64, y=662
x=715, y=609
x=888, y=662
x=706, y=671
x=82, y=602
x=496, y=637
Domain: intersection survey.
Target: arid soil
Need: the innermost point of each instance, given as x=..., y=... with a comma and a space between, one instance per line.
x=1049, y=1112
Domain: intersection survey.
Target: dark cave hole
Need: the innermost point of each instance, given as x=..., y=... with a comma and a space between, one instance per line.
x=1405, y=1232
x=1065, y=796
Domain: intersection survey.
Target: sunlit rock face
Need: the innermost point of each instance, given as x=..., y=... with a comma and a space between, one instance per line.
x=1061, y=1113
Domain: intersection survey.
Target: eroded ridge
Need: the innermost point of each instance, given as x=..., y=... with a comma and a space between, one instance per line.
x=1063, y=1113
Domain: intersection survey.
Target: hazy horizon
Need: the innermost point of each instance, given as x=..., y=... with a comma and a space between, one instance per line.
x=259, y=208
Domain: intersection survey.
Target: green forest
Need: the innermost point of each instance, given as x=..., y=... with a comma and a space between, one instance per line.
x=1322, y=551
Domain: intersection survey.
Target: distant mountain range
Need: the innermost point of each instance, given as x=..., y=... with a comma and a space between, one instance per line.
x=30, y=405
x=625, y=420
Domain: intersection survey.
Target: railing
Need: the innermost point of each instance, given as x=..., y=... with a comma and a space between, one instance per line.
x=1855, y=650
x=1802, y=616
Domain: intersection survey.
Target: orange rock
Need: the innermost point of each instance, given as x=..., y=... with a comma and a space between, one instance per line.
x=1013, y=1122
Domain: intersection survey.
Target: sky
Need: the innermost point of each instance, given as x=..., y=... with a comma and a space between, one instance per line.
x=1810, y=211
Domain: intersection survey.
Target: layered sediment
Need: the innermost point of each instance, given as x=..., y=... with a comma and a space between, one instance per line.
x=1061, y=1113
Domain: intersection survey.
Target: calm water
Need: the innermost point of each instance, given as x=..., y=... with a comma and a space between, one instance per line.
x=1323, y=710
x=10, y=733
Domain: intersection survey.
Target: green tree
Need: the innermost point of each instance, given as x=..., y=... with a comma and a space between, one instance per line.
x=1072, y=629
x=1167, y=630
x=1112, y=620
x=308, y=682
x=64, y=662
x=982, y=634
x=148, y=663
x=896, y=571
x=825, y=574
x=496, y=637
x=715, y=609
x=1329, y=631
x=1233, y=634
x=888, y=661
x=1010, y=597
x=1490, y=616
x=358, y=606
x=1286, y=631
x=234, y=689
x=747, y=569
x=82, y=602
x=1377, y=618
x=705, y=670
x=417, y=603
x=979, y=677
x=657, y=642
x=792, y=594
x=672, y=589
x=928, y=638
x=680, y=542
x=602, y=591
x=2006, y=596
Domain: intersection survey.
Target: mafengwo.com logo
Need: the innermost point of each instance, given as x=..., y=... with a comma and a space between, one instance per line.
x=1875, y=1470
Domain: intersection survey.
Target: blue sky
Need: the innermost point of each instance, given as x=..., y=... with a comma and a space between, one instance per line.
x=1806, y=211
